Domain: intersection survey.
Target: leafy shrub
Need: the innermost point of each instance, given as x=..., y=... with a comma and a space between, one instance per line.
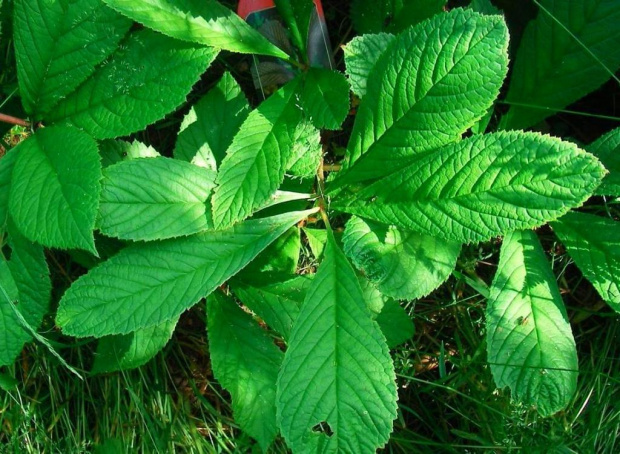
x=219, y=220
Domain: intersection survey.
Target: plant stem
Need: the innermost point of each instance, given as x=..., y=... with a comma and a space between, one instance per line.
x=13, y=120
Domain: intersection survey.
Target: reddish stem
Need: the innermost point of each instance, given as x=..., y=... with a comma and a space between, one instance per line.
x=13, y=120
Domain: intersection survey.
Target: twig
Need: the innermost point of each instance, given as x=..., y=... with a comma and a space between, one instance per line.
x=4, y=118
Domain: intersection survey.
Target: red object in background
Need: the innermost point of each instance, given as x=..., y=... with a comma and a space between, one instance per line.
x=270, y=73
x=251, y=6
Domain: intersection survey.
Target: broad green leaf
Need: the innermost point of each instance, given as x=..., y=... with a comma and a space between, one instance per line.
x=297, y=15
x=148, y=77
x=246, y=362
x=325, y=97
x=373, y=16
x=593, y=242
x=307, y=151
x=147, y=284
x=484, y=7
x=208, y=129
x=256, y=161
x=128, y=351
x=12, y=336
x=337, y=370
x=7, y=162
x=607, y=149
x=530, y=345
x=433, y=83
x=276, y=303
x=483, y=186
x=200, y=21
x=7, y=382
x=113, y=151
x=58, y=44
x=317, y=238
x=401, y=263
x=25, y=279
x=55, y=188
x=569, y=50
x=395, y=323
x=361, y=55
x=154, y=198
x=280, y=257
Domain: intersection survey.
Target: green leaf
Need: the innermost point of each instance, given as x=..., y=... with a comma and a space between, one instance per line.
x=593, y=242
x=200, y=21
x=483, y=186
x=208, y=129
x=307, y=151
x=256, y=161
x=317, y=238
x=58, y=44
x=360, y=57
x=607, y=149
x=154, y=198
x=277, y=303
x=395, y=323
x=113, y=151
x=7, y=162
x=530, y=345
x=433, y=83
x=484, y=7
x=569, y=50
x=246, y=362
x=280, y=257
x=297, y=15
x=128, y=351
x=403, y=264
x=337, y=371
x=147, y=284
x=373, y=16
x=148, y=77
x=25, y=279
x=55, y=188
x=325, y=97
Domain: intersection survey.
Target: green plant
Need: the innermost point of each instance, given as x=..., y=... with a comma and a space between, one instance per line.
x=222, y=219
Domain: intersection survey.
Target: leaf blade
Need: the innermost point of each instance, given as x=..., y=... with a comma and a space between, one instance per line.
x=343, y=367
x=55, y=189
x=246, y=362
x=154, y=198
x=593, y=243
x=201, y=21
x=433, y=83
x=53, y=57
x=149, y=76
x=149, y=283
x=530, y=345
x=483, y=186
x=567, y=51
